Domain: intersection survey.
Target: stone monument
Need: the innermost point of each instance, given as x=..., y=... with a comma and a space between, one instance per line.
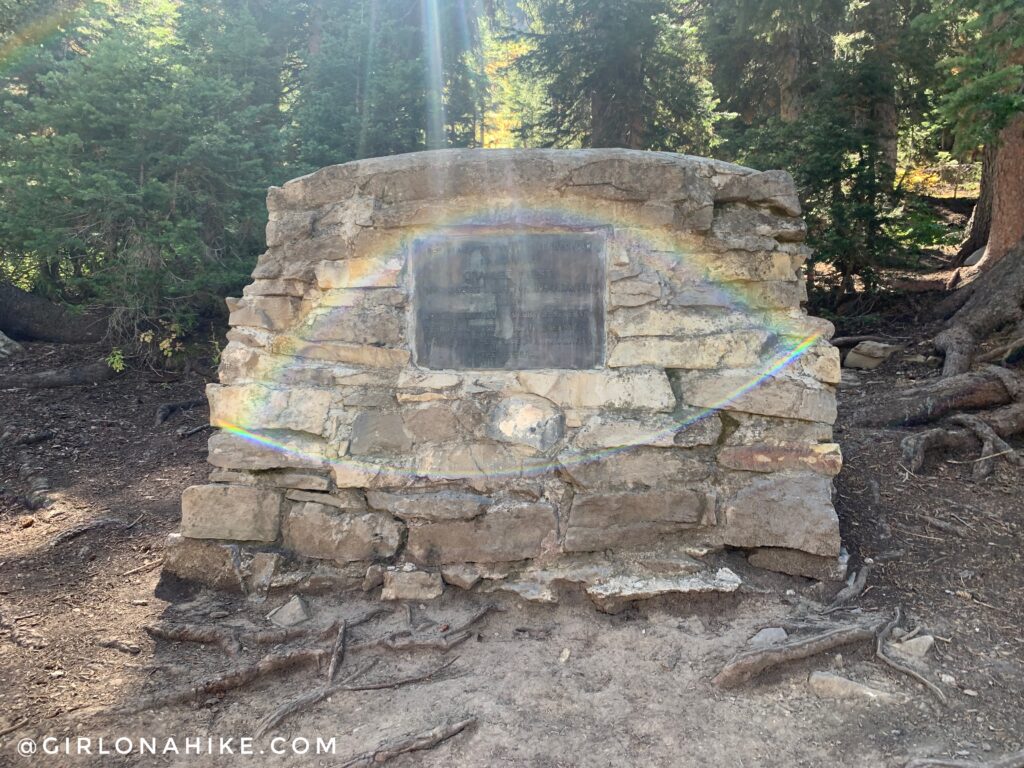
x=511, y=369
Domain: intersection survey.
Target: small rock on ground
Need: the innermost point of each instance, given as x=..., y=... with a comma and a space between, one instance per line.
x=294, y=612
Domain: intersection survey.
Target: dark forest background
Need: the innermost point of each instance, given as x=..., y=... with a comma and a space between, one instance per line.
x=137, y=139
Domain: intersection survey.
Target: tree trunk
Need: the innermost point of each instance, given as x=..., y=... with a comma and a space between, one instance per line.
x=789, y=84
x=996, y=299
x=978, y=226
x=27, y=316
x=1007, y=224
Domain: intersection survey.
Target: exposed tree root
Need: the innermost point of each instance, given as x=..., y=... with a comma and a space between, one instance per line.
x=1016, y=760
x=64, y=377
x=899, y=666
x=315, y=697
x=987, y=388
x=851, y=591
x=230, y=680
x=749, y=664
x=426, y=740
x=414, y=639
x=231, y=641
x=990, y=427
x=310, y=699
x=225, y=639
x=996, y=299
x=92, y=525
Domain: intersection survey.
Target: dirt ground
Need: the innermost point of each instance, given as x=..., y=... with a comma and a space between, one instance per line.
x=548, y=686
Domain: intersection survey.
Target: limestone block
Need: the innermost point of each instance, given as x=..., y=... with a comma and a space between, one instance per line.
x=640, y=467
x=360, y=297
x=615, y=595
x=674, y=321
x=734, y=219
x=327, y=533
x=275, y=313
x=431, y=423
x=821, y=458
x=503, y=534
x=204, y=561
x=256, y=407
x=430, y=507
x=411, y=585
x=868, y=355
x=362, y=272
x=791, y=511
x=275, y=287
x=463, y=576
x=285, y=226
x=330, y=184
x=634, y=292
x=773, y=188
x=481, y=464
x=413, y=379
x=643, y=390
x=237, y=512
x=742, y=265
x=360, y=324
x=770, y=294
x=375, y=433
x=748, y=392
x=821, y=362
x=348, y=216
x=827, y=685
x=292, y=451
x=602, y=431
x=342, y=498
x=350, y=354
x=728, y=349
x=612, y=520
x=747, y=429
x=797, y=563
x=527, y=420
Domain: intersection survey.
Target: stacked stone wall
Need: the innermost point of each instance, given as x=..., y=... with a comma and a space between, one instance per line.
x=706, y=425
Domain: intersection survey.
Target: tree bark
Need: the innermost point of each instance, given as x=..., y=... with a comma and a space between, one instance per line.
x=929, y=402
x=978, y=226
x=1007, y=223
x=790, y=103
x=27, y=316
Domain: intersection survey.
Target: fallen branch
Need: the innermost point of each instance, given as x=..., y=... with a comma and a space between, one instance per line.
x=426, y=740
x=338, y=652
x=184, y=432
x=749, y=664
x=144, y=567
x=1016, y=760
x=93, y=373
x=899, y=666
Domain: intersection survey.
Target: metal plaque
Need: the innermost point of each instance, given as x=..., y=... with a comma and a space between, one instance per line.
x=509, y=301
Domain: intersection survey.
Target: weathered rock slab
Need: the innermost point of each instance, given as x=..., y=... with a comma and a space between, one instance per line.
x=316, y=530
x=236, y=512
x=504, y=534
